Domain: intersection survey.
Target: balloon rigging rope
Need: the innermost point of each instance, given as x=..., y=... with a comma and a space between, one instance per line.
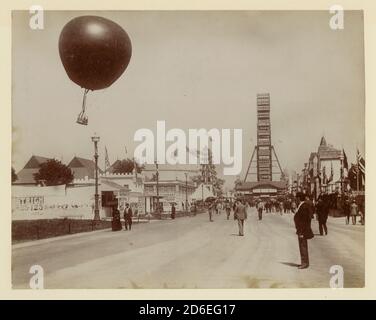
x=84, y=100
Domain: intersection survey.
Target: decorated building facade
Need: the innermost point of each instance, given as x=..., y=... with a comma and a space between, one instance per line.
x=323, y=173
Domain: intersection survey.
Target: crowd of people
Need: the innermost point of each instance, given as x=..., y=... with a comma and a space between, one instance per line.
x=304, y=208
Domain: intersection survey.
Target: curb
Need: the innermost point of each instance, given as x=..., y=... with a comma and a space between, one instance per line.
x=52, y=239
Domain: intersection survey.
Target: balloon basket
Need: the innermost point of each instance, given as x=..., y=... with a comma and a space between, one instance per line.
x=82, y=119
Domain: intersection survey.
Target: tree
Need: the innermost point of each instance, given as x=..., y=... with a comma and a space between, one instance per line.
x=53, y=173
x=197, y=179
x=127, y=166
x=218, y=186
x=216, y=182
x=14, y=175
x=209, y=173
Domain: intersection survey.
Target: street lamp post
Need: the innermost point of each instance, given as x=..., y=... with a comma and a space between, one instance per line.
x=186, y=191
x=157, y=176
x=95, y=139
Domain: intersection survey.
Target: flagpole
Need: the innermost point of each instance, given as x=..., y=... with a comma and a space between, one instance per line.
x=357, y=171
x=341, y=171
x=104, y=160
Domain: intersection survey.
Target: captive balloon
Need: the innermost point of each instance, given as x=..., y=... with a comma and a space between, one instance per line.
x=94, y=51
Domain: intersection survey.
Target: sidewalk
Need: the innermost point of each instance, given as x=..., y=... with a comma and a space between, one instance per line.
x=52, y=239
x=31, y=243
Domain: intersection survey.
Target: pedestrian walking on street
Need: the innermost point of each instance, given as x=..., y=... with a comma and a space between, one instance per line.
x=280, y=208
x=128, y=217
x=353, y=211
x=361, y=218
x=302, y=219
x=362, y=212
x=217, y=208
x=288, y=205
x=346, y=209
x=228, y=210
x=116, y=222
x=260, y=208
x=241, y=215
x=210, y=211
x=322, y=210
x=173, y=211
x=194, y=209
x=293, y=206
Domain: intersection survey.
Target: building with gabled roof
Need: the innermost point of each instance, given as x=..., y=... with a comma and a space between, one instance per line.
x=83, y=168
x=26, y=175
x=324, y=170
x=327, y=151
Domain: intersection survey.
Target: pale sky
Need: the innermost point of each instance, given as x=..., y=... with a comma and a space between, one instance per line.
x=196, y=70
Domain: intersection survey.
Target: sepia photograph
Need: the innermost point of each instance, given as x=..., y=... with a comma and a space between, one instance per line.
x=188, y=149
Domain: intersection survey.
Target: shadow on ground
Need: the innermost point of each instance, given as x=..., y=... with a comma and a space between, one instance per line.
x=290, y=264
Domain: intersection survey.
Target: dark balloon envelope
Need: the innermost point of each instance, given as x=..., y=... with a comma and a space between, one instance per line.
x=94, y=51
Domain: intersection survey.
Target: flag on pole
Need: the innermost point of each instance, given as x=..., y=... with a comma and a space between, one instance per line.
x=361, y=166
x=345, y=163
x=361, y=163
x=107, y=160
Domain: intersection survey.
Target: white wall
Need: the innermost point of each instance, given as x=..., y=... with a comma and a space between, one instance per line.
x=33, y=202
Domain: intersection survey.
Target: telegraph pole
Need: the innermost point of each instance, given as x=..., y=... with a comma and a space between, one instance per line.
x=157, y=175
x=186, y=191
x=95, y=139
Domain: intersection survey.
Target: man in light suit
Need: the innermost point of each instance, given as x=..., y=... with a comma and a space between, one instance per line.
x=240, y=214
x=260, y=208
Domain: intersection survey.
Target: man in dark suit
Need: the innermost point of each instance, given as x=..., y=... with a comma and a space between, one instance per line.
x=173, y=211
x=260, y=207
x=302, y=219
x=240, y=214
x=322, y=215
x=310, y=206
x=128, y=217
